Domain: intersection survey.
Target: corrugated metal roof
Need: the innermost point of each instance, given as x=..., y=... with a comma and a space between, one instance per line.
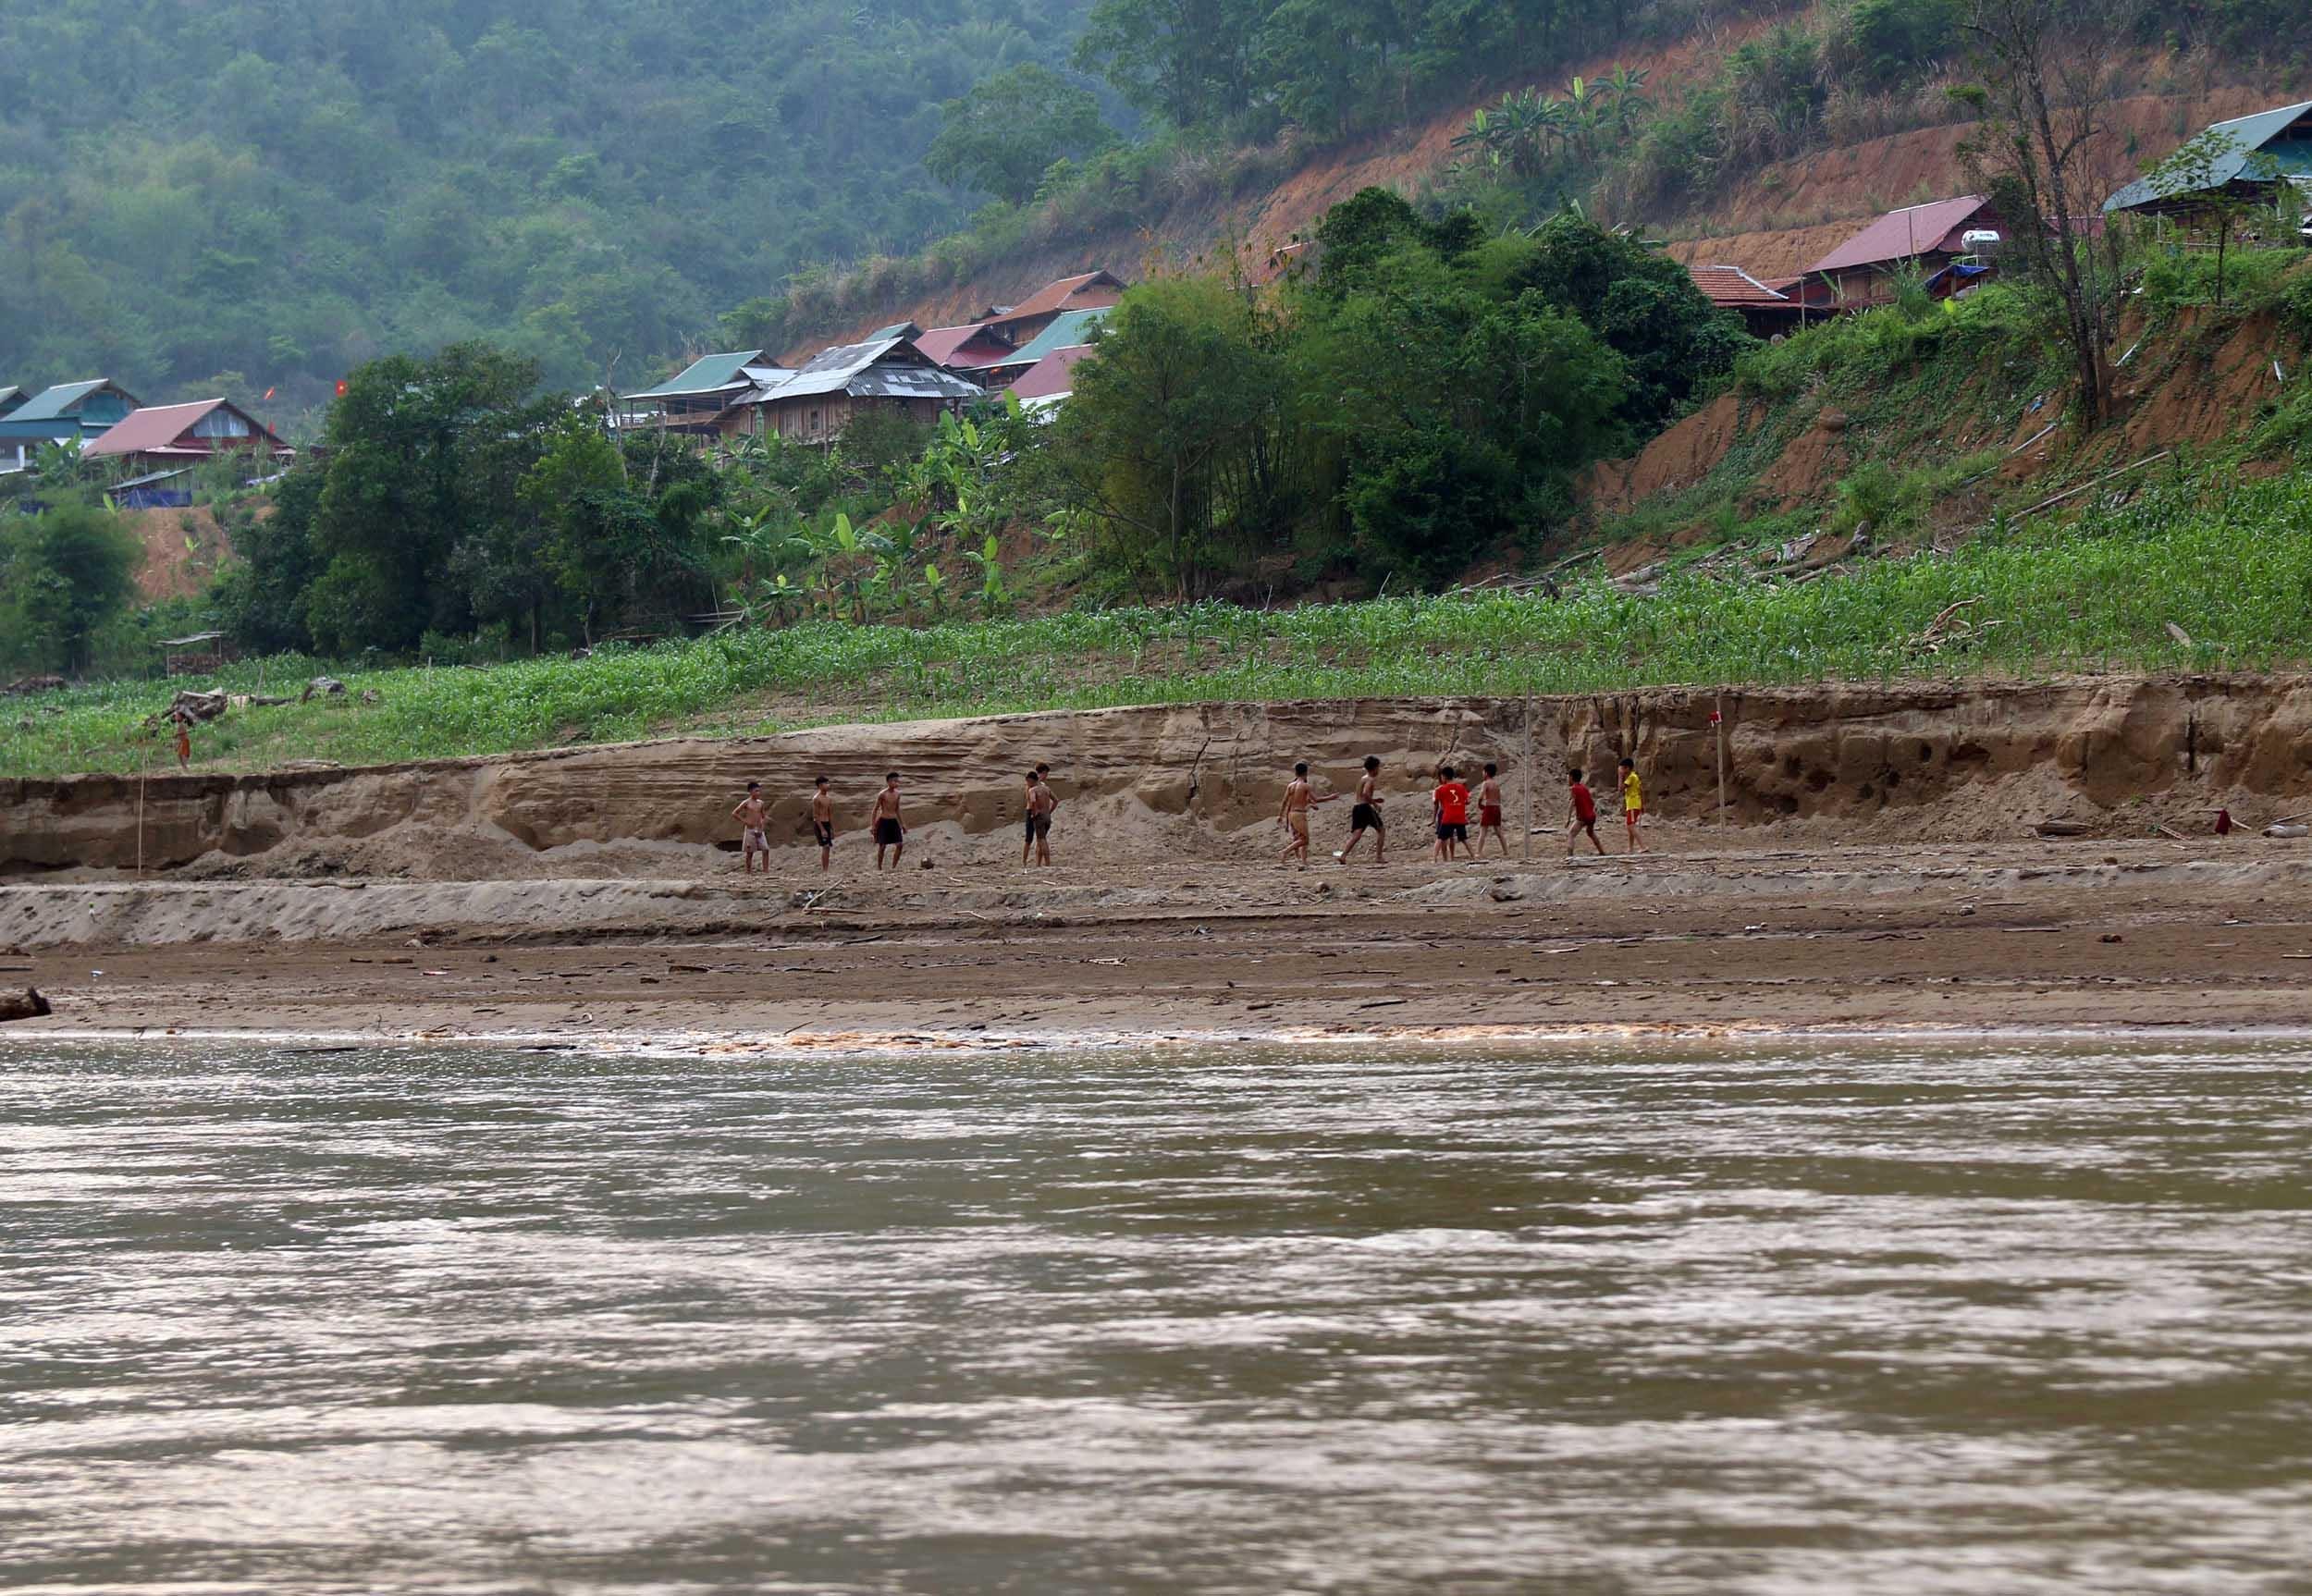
x=854, y=369
x=10, y=396
x=158, y=429
x=896, y=330
x=1075, y=327
x=1902, y=235
x=2249, y=134
x=708, y=373
x=1052, y=377
x=55, y=403
x=1730, y=286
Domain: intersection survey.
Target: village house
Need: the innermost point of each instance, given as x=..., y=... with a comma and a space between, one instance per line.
x=965, y=350
x=69, y=413
x=2251, y=157
x=1050, y=380
x=13, y=454
x=169, y=437
x=1026, y=321
x=1067, y=330
x=694, y=399
x=1925, y=239
x=1766, y=312
x=814, y=405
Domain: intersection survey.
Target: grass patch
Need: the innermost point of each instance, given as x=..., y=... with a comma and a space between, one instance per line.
x=2228, y=561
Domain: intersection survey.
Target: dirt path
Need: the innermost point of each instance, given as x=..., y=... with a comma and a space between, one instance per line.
x=1697, y=938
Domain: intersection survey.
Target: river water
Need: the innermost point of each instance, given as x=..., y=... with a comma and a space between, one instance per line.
x=2007, y=1319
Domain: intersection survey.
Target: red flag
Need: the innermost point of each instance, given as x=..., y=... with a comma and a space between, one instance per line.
x=268, y=393
x=340, y=387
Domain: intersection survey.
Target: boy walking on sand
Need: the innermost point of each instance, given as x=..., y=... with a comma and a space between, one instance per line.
x=1299, y=798
x=888, y=832
x=1633, y=803
x=1041, y=802
x=751, y=814
x=1366, y=816
x=823, y=821
x=1489, y=812
x=1584, y=814
x=1452, y=805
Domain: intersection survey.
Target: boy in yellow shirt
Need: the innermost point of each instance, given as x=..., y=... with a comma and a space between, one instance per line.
x=1633, y=803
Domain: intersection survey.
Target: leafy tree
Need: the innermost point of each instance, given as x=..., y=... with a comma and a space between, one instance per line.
x=64, y=573
x=1001, y=137
x=421, y=455
x=260, y=595
x=2195, y=182
x=1178, y=387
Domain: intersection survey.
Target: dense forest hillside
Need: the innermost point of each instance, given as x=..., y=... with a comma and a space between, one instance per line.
x=242, y=194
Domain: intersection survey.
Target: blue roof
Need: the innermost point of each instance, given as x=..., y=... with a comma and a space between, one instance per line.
x=708, y=373
x=2249, y=135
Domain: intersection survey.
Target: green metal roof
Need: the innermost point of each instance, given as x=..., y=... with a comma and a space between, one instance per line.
x=2249, y=135
x=704, y=375
x=53, y=404
x=1067, y=330
x=10, y=396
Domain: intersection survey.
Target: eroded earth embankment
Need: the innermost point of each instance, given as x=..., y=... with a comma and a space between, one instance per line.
x=1851, y=763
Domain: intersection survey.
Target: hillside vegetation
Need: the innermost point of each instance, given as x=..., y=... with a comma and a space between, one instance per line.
x=246, y=194
x=2226, y=564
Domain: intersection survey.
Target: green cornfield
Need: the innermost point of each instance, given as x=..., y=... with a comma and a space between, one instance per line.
x=2226, y=564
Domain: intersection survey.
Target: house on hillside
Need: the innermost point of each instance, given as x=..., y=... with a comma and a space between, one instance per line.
x=1026, y=321
x=694, y=399
x=1051, y=379
x=837, y=385
x=2249, y=157
x=1065, y=331
x=963, y=349
x=1767, y=312
x=1925, y=239
x=166, y=437
x=69, y=413
x=13, y=456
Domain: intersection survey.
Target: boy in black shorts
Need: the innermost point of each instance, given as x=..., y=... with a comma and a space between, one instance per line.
x=888, y=832
x=823, y=822
x=1366, y=816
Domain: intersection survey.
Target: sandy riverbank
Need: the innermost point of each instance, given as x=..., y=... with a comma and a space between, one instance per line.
x=1698, y=937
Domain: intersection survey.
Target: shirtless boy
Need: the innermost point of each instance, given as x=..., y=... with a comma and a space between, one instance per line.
x=753, y=814
x=1299, y=798
x=1366, y=816
x=1041, y=802
x=823, y=822
x=1584, y=812
x=888, y=832
x=1489, y=812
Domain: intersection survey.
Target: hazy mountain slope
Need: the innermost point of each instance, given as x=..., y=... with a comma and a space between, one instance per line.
x=281, y=189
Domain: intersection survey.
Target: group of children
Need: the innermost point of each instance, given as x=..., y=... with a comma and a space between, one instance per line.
x=1449, y=814
x=891, y=833
x=1449, y=805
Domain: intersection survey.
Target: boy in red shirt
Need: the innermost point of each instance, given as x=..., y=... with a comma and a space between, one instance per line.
x=1453, y=815
x=1584, y=814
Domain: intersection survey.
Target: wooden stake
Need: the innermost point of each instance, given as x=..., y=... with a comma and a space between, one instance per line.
x=1533, y=781
x=142, y=755
x=1720, y=716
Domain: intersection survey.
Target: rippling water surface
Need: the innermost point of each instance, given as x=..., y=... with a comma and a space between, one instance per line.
x=1798, y=1321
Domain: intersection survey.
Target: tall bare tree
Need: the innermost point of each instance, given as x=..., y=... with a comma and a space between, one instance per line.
x=2046, y=84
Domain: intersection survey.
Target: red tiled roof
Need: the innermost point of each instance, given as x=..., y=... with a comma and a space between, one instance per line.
x=1056, y=374
x=1901, y=235
x=157, y=429
x=1078, y=293
x=1730, y=286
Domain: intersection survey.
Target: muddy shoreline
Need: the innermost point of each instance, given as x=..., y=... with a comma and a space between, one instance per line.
x=1697, y=939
